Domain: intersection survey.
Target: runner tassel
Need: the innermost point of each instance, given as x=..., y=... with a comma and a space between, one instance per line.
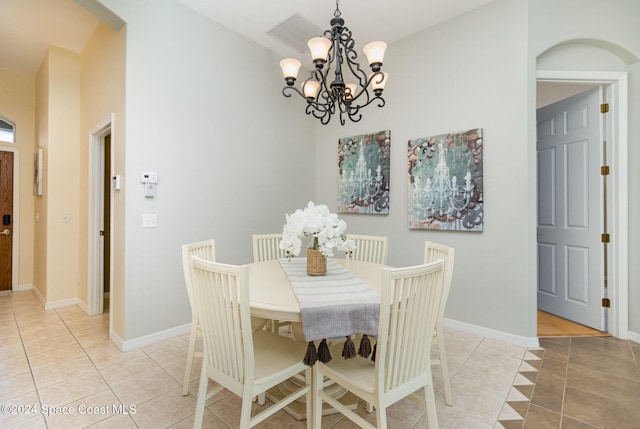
x=311, y=357
x=365, y=347
x=349, y=349
x=324, y=355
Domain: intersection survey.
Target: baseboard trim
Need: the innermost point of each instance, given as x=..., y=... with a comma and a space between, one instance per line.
x=62, y=303
x=145, y=340
x=20, y=288
x=528, y=342
x=634, y=336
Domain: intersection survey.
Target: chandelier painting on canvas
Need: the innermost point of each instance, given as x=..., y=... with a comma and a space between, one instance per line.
x=363, y=165
x=445, y=182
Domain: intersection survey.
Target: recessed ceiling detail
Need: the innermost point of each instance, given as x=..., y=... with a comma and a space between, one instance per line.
x=295, y=32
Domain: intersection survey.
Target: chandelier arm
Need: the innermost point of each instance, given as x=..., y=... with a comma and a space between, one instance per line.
x=380, y=100
x=364, y=87
x=292, y=88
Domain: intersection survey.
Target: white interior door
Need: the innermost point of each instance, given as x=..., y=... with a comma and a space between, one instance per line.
x=570, y=279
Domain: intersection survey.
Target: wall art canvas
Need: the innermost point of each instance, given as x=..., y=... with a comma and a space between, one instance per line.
x=38, y=167
x=445, y=182
x=363, y=165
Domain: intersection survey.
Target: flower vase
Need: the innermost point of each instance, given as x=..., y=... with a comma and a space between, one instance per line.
x=316, y=263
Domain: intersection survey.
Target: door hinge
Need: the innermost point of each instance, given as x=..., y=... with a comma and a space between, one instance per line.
x=604, y=108
x=606, y=302
x=604, y=170
x=605, y=238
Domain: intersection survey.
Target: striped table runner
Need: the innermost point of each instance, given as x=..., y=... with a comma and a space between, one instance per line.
x=335, y=305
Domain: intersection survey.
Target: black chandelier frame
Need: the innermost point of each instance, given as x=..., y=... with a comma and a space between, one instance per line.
x=337, y=97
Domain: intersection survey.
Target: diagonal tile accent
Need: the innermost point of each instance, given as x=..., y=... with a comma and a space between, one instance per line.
x=515, y=409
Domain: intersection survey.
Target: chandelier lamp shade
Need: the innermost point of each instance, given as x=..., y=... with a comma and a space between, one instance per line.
x=337, y=84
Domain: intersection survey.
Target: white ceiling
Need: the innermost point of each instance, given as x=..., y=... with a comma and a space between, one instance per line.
x=30, y=26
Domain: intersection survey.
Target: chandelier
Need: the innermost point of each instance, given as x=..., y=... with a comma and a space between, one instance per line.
x=351, y=88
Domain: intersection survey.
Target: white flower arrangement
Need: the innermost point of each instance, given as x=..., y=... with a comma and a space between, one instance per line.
x=327, y=230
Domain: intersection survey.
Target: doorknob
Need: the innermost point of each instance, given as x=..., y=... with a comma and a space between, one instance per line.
x=5, y=232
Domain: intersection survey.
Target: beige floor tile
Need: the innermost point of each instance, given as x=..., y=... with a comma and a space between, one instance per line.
x=16, y=386
x=91, y=323
x=170, y=355
x=210, y=421
x=92, y=335
x=21, y=408
x=42, y=346
x=11, y=368
x=84, y=412
x=62, y=371
x=33, y=422
x=56, y=356
x=165, y=344
x=131, y=370
x=105, y=353
x=9, y=335
x=72, y=390
x=453, y=417
x=164, y=410
x=473, y=398
x=12, y=351
x=119, y=421
x=177, y=369
x=142, y=389
x=44, y=332
x=44, y=316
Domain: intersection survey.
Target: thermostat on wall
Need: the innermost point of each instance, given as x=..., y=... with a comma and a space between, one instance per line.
x=148, y=177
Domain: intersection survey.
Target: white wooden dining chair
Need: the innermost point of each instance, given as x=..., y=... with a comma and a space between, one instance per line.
x=266, y=247
x=409, y=306
x=207, y=250
x=369, y=248
x=238, y=359
x=432, y=252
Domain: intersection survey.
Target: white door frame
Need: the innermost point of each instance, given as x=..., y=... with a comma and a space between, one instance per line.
x=96, y=201
x=618, y=280
x=15, y=243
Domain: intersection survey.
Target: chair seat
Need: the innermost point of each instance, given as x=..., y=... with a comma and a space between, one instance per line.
x=361, y=371
x=274, y=355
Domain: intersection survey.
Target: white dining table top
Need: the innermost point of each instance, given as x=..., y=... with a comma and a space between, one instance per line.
x=271, y=294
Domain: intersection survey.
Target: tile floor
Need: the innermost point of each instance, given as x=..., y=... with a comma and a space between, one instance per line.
x=61, y=360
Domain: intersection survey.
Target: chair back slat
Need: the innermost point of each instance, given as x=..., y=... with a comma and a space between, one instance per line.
x=221, y=297
x=205, y=249
x=266, y=247
x=409, y=307
x=433, y=252
x=369, y=248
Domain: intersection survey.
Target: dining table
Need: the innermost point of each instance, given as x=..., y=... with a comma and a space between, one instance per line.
x=272, y=297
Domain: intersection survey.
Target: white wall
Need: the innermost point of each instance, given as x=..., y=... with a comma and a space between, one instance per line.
x=204, y=111
x=462, y=74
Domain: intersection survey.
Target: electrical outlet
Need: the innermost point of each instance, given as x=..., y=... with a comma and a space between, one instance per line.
x=150, y=220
